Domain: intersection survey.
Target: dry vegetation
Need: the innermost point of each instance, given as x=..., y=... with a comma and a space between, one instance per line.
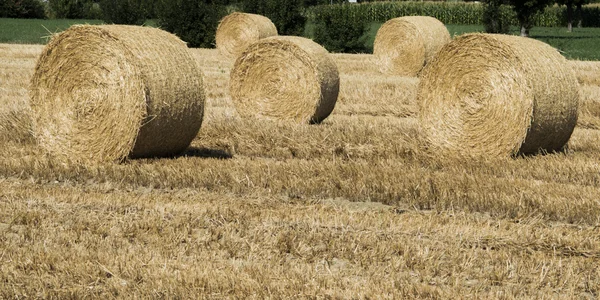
x=347, y=208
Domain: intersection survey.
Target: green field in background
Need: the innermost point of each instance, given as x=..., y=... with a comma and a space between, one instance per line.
x=34, y=31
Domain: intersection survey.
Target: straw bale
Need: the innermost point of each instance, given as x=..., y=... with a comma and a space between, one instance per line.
x=238, y=30
x=103, y=93
x=404, y=45
x=497, y=96
x=285, y=77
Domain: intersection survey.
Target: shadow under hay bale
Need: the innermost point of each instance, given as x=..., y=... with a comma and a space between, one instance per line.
x=238, y=30
x=103, y=93
x=496, y=96
x=404, y=45
x=206, y=153
x=285, y=78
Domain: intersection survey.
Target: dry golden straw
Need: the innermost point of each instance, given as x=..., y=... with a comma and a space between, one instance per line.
x=588, y=72
x=404, y=45
x=102, y=93
x=285, y=77
x=497, y=96
x=238, y=30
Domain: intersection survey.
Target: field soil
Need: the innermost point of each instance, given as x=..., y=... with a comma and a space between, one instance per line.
x=350, y=208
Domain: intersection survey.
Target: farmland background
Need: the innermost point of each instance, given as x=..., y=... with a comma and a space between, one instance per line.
x=580, y=44
x=350, y=208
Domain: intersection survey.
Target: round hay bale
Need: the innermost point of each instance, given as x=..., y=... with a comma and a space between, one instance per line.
x=404, y=45
x=238, y=30
x=497, y=96
x=287, y=78
x=103, y=93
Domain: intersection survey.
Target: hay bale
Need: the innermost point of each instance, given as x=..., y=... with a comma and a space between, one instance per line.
x=103, y=93
x=404, y=45
x=497, y=95
x=238, y=30
x=285, y=77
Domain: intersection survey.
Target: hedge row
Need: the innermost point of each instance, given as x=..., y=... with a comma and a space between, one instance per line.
x=447, y=12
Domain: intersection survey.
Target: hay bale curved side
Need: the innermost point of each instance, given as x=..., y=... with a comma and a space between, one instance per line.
x=497, y=96
x=238, y=30
x=102, y=93
x=404, y=45
x=285, y=77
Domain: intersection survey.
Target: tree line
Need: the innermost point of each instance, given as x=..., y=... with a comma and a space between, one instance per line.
x=99, y=9
x=495, y=22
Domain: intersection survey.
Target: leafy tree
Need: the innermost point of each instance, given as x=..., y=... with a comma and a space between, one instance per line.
x=526, y=9
x=340, y=31
x=194, y=21
x=493, y=19
x=285, y=14
x=569, y=4
x=578, y=11
x=68, y=9
x=570, y=16
x=26, y=9
x=150, y=8
x=123, y=11
x=323, y=2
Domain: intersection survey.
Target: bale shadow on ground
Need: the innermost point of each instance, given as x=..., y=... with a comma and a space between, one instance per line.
x=205, y=153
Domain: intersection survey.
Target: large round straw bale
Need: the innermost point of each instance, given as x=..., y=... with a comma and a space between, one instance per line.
x=285, y=77
x=404, y=45
x=497, y=95
x=238, y=30
x=103, y=93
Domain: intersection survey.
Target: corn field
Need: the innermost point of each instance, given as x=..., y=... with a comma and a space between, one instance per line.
x=447, y=12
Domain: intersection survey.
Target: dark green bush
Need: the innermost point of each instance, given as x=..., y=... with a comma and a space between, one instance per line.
x=68, y=9
x=194, y=21
x=26, y=9
x=340, y=31
x=123, y=12
x=495, y=18
x=287, y=15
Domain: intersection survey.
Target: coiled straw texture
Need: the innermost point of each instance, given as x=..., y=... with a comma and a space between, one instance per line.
x=238, y=30
x=497, y=96
x=103, y=93
x=404, y=45
x=285, y=78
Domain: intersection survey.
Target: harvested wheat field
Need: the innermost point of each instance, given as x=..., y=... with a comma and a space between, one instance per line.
x=349, y=208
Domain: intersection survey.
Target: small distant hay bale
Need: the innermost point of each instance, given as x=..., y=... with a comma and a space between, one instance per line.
x=285, y=78
x=404, y=45
x=497, y=96
x=104, y=93
x=238, y=30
